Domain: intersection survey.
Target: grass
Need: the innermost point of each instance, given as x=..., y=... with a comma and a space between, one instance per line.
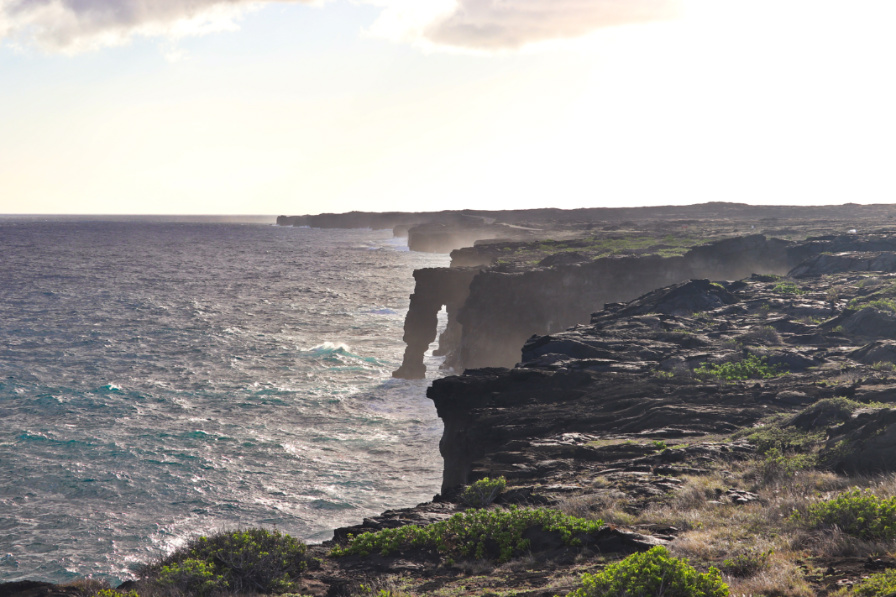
x=788, y=288
x=881, y=304
x=761, y=336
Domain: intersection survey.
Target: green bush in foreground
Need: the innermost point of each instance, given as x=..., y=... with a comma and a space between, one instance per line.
x=250, y=561
x=483, y=492
x=858, y=513
x=877, y=585
x=752, y=367
x=481, y=534
x=653, y=573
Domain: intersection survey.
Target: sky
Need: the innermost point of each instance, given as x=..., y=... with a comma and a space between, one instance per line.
x=302, y=107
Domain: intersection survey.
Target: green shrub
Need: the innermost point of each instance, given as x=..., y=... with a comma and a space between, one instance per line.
x=752, y=367
x=254, y=560
x=193, y=577
x=775, y=440
x=858, y=513
x=881, y=304
x=654, y=573
x=877, y=585
x=483, y=492
x=788, y=288
x=747, y=563
x=114, y=593
x=777, y=466
x=481, y=534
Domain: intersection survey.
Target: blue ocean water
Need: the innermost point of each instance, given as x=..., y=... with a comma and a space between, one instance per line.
x=164, y=379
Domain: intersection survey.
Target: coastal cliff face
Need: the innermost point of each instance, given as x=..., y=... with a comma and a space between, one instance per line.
x=656, y=369
x=501, y=309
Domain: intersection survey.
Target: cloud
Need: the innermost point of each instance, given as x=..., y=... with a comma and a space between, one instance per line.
x=76, y=25
x=507, y=24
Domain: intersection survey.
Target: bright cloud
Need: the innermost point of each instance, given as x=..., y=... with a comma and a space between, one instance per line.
x=77, y=25
x=500, y=24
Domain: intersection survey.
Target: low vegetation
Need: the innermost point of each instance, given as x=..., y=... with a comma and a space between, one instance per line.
x=876, y=585
x=483, y=492
x=788, y=288
x=654, y=573
x=249, y=561
x=751, y=367
x=479, y=534
x=856, y=512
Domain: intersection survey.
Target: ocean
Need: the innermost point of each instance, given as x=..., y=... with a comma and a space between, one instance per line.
x=161, y=379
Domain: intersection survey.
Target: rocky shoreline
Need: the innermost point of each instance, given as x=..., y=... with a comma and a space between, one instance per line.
x=709, y=399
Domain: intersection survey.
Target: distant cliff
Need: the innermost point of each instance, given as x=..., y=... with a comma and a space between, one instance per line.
x=492, y=312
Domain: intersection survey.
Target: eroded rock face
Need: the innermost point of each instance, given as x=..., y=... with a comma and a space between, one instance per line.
x=435, y=287
x=634, y=372
x=503, y=308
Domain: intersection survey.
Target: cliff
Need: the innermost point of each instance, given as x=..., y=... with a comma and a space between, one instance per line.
x=701, y=415
x=493, y=311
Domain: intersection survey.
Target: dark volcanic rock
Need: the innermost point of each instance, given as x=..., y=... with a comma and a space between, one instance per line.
x=682, y=299
x=864, y=444
x=28, y=588
x=846, y=262
x=876, y=352
x=631, y=373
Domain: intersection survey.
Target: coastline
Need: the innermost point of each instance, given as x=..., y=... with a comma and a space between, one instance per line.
x=624, y=414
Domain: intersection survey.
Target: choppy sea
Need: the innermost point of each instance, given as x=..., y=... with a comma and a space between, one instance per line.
x=163, y=379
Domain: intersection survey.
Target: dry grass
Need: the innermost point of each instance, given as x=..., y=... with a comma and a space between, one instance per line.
x=712, y=530
x=761, y=336
x=607, y=504
x=782, y=579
